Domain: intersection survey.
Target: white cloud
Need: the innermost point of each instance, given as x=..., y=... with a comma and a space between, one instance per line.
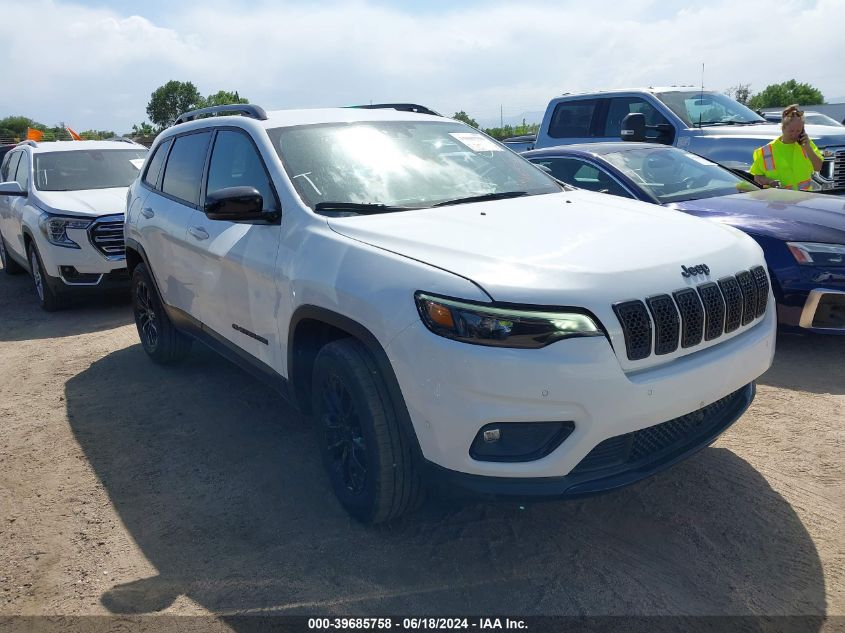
x=96, y=68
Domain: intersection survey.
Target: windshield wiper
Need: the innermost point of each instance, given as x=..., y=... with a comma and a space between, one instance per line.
x=481, y=198
x=711, y=123
x=361, y=208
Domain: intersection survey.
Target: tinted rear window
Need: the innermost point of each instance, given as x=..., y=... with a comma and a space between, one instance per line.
x=184, y=167
x=154, y=168
x=573, y=119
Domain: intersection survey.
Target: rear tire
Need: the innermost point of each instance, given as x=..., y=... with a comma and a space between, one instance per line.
x=369, y=459
x=161, y=340
x=48, y=299
x=10, y=266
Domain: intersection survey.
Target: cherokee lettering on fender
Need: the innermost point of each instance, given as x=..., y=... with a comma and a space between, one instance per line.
x=701, y=269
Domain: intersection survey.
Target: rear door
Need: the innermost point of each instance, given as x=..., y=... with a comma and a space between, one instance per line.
x=7, y=226
x=16, y=207
x=235, y=261
x=163, y=218
x=575, y=121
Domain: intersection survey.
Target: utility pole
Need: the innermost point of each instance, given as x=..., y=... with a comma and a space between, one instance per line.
x=501, y=116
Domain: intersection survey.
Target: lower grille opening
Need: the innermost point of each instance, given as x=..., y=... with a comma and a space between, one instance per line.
x=651, y=443
x=830, y=312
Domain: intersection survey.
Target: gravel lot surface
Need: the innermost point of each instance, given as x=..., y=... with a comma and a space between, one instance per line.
x=129, y=488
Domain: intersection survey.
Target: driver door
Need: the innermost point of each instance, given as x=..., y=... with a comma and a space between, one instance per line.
x=235, y=261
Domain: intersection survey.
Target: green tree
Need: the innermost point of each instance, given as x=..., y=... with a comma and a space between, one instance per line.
x=143, y=129
x=16, y=126
x=223, y=97
x=740, y=92
x=167, y=102
x=465, y=118
x=786, y=93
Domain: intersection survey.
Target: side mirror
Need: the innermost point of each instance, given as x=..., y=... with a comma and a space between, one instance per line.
x=633, y=127
x=12, y=188
x=235, y=204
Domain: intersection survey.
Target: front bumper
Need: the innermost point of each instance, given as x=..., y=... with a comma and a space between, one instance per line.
x=116, y=280
x=453, y=389
x=617, y=462
x=82, y=270
x=812, y=299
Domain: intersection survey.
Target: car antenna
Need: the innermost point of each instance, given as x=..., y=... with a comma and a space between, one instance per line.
x=701, y=95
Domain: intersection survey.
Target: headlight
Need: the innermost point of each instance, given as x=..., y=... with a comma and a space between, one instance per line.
x=54, y=228
x=818, y=254
x=501, y=327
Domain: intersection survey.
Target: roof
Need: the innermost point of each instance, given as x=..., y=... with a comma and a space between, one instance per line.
x=651, y=89
x=597, y=149
x=313, y=116
x=75, y=146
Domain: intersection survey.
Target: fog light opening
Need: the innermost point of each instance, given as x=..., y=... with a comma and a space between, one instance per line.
x=518, y=441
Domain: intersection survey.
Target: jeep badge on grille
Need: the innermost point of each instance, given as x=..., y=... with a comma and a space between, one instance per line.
x=701, y=269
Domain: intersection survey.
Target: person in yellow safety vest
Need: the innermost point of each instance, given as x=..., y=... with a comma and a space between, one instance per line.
x=790, y=160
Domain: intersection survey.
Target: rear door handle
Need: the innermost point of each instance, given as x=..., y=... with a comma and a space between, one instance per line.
x=147, y=212
x=198, y=232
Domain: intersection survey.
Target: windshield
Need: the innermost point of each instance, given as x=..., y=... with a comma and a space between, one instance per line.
x=87, y=169
x=395, y=165
x=814, y=118
x=708, y=108
x=672, y=175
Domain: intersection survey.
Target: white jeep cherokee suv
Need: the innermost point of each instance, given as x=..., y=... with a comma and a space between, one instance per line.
x=445, y=310
x=61, y=215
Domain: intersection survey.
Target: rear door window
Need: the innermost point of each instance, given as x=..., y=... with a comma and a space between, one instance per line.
x=11, y=166
x=583, y=175
x=157, y=160
x=573, y=119
x=183, y=172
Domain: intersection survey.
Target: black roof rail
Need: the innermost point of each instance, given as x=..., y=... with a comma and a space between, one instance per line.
x=402, y=107
x=246, y=109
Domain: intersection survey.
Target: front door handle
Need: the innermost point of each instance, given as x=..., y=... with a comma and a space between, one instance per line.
x=198, y=232
x=147, y=212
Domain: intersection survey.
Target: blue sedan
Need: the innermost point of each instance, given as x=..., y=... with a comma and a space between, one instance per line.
x=802, y=234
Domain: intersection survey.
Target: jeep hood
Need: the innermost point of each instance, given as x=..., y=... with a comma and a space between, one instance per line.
x=776, y=213
x=569, y=248
x=83, y=203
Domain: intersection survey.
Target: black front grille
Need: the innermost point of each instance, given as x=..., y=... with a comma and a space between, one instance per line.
x=839, y=169
x=714, y=308
x=749, y=296
x=692, y=317
x=107, y=237
x=761, y=280
x=654, y=441
x=733, y=302
x=705, y=312
x=667, y=324
x=637, y=328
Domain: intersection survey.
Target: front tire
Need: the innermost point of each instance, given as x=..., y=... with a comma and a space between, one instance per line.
x=10, y=266
x=161, y=340
x=48, y=299
x=371, y=466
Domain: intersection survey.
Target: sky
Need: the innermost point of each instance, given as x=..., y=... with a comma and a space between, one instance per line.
x=93, y=64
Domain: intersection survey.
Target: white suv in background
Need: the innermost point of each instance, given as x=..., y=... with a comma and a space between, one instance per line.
x=61, y=215
x=445, y=310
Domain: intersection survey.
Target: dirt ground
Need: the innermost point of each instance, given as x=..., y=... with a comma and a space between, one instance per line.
x=129, y=488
